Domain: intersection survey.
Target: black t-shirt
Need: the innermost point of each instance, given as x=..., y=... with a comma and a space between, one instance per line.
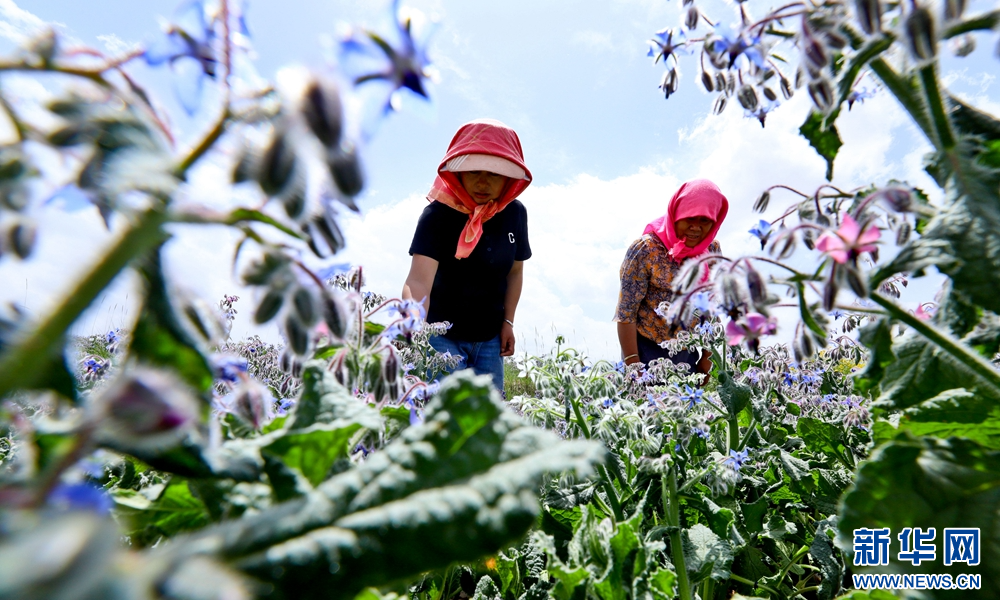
x=470, y=292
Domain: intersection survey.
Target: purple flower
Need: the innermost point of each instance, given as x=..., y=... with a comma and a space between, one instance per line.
x=81, y=496
x=859, y=96
x=284, y=405
x=691, y=396
x=393, y=63
x=188, y=46
x=411, y=320
x=763, y=231
x=608, y=402
x=735, y=43
x=736, y=460
x=662, y=45
x=228, y=367
x=754, y=327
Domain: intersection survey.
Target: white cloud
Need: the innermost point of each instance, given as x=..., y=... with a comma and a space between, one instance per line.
x=115, y=45
x=17, y=24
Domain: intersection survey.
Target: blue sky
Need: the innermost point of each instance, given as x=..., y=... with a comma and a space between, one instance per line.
x=571, y=77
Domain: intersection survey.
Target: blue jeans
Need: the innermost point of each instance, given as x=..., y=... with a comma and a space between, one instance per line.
x=482, y=357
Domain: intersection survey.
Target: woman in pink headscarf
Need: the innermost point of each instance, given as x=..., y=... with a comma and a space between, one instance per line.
x=470, y=246
x=693, y=218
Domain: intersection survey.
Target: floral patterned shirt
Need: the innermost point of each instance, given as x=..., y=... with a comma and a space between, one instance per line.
x=647, y=274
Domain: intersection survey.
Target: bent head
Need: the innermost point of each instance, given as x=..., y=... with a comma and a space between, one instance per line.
x=483, y=186
x=693, y=230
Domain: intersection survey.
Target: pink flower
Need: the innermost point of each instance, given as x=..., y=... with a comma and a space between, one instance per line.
x=849, y=241
x=756, y=325
x=924, y=314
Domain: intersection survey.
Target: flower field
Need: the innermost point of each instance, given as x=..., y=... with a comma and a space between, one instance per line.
x=166, y=459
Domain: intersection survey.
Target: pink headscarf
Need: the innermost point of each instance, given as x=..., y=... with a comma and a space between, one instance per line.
x=697, y=198
x=483, y=136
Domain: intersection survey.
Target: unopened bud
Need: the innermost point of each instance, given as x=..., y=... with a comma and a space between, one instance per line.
x=269, y=306
x=821, y=93
x=920, y=36
x=857, y=281
x=692, y=17
x=756, y=285
x=298, y=336
x=305, y=306
x=285, y=361
x=390, y=366
x=869, y=15
x=146, y=407
x=830, y=292
x=963, y=45
x=786, y=88
x=762, y=201
x=323, y=227
x=815, y=53
x=334, y=315
x=669, y=83
x=806, y=343
x=720, y=104
x=346, y=171
x=720, y=81
x=277, y=164
x=706, y=82
x=769, y=94
x=294, y=202
x=252, y=404
x=953, y=9
x=22, y=236
x=747, y=97
x=322, y=110
x=903, y=233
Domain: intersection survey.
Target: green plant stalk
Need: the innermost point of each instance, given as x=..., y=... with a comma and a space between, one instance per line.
x=708, y=589
x=21, y=366
x=734, y=431
x=791, y=561
x=579, y=417
x=609, y=489
x=945, y=137
x=672, y=513
x=976, y=363
x=756, y=585
x=901, y=90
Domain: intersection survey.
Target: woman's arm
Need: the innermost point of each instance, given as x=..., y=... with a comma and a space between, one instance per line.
x=628, y=340
x=515, y=279
x=420, y=279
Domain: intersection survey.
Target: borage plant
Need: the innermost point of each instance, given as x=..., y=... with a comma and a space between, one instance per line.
x=235, y=469
x=932, y=373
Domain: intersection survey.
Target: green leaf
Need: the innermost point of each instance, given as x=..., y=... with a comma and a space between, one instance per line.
x=825, y=139
x=922, y=371
x=507, y=569
x=778, y=528
x=486, y=589
x=735, y=396
x=567, y=578
x=323, y=400
x=963, y=239
x=570, y=496
x=952, y=413
x=930, y=483
x=706, y=554
x=877, y=337
x=663, y=583
x=798, y=471
x=821, y=436
x=460, y=486
x=827, y=557
x=150, y=515
x=753, y=514
x=158, y=337
x=313, y=450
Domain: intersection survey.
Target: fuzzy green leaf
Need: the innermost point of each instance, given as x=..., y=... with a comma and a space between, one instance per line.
x=930, y=483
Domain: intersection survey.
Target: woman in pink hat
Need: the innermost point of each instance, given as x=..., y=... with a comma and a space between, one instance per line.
x=688, y=229
x=470, y=246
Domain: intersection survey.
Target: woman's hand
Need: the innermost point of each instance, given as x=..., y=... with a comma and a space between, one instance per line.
x=704, y=366
x=506, y=339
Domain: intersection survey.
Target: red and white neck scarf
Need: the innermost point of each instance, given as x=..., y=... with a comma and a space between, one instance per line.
x=697, y=198
x=481, y=137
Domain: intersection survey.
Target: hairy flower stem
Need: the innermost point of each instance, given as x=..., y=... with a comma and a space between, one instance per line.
x=25, y=363
x=734, y=431
x=976, y=363
x=609, y=489
x=672, y=513
x=944, y=137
